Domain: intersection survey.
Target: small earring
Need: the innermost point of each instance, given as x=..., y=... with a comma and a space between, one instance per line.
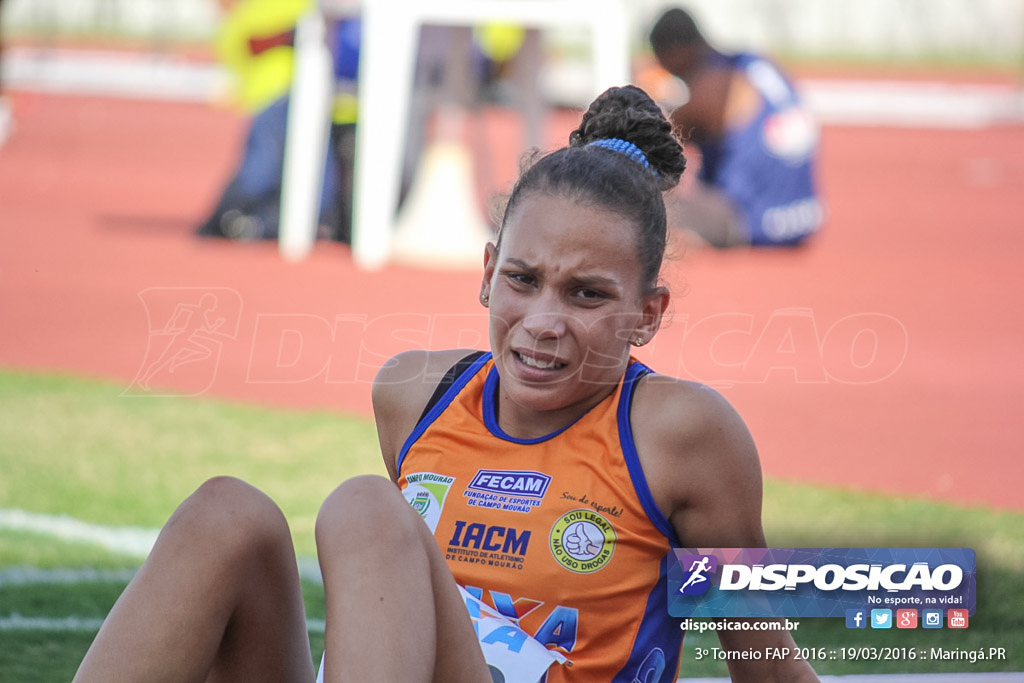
x=484, y=299
x=639, y=341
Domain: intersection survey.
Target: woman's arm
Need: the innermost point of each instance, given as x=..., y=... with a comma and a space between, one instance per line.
x=401, y=390
x=705, y=474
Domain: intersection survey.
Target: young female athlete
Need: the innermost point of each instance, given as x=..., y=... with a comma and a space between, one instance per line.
x=543, y=482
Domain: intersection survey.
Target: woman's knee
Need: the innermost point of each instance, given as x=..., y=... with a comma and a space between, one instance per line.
x=366, y=509
x=232, y=514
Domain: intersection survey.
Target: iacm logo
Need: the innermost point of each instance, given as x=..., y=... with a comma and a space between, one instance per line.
x=696, y=580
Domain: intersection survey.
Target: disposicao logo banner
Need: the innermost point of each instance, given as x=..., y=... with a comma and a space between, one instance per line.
x=817, y=582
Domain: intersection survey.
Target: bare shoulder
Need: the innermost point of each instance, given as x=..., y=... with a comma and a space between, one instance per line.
x=700, y=461
x=703, y=470
x=401, y=389
x=681, y=413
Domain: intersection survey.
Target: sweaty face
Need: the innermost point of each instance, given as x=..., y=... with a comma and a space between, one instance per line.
x=565, y=298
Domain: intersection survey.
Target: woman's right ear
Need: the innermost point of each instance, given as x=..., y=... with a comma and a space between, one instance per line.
x=490, y=261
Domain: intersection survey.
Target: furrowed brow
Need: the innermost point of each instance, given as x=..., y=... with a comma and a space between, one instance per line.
x=596, y=281
x=520, y=265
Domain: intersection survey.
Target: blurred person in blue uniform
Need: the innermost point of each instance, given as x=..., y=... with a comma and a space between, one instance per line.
x=758, y=142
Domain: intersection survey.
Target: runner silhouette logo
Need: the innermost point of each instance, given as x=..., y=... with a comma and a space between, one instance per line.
x=696, y=580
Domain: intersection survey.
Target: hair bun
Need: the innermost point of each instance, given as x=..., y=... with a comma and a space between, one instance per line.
x=628, y=113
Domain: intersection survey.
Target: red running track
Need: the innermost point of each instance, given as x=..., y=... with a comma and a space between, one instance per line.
x=886, y=356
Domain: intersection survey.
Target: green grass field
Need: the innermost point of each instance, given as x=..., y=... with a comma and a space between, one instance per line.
x=77, y=448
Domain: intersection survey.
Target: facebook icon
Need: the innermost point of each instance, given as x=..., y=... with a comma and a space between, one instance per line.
x=856, y=618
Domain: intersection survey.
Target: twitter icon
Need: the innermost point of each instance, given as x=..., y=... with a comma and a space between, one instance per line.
x=881, y=618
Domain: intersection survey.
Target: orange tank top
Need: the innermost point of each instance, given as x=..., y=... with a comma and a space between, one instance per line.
x=559, y=533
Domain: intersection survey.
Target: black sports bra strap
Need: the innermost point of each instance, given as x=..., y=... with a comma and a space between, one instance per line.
x=454, y=372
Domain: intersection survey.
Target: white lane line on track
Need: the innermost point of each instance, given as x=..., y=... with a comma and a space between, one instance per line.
x=17, y=622
x=32, y=576
x=878, y=102
x=123, y=540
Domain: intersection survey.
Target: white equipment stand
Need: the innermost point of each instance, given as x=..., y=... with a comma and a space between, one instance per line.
x=306, y=135
x=387, y=52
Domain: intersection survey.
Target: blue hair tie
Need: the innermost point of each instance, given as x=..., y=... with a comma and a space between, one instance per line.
x=622, y=147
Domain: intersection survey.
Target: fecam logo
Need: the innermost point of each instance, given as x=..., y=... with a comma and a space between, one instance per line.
x=695, y=578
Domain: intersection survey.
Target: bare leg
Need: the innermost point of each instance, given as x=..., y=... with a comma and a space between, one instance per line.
x=394, y=612
x=217, y=600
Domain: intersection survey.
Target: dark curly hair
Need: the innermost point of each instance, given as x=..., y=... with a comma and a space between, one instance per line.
x=676, y=27
x=596, y=175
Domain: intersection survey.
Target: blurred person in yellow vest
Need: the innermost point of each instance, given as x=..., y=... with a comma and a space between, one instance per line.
x=255, y=41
